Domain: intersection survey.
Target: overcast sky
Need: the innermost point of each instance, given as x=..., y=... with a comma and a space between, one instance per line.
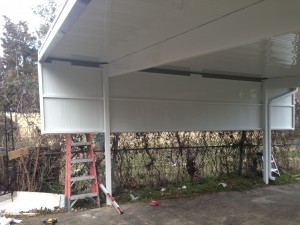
x=18, y=10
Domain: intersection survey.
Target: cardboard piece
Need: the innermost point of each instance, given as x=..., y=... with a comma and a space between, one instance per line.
x=18, y=153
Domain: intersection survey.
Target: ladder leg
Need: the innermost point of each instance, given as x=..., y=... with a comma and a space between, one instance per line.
x=92, y=167
x=273, y=167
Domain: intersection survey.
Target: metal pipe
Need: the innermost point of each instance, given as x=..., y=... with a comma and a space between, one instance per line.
x=269, y=147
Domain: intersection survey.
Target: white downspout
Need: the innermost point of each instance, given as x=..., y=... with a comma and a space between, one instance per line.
x=269, y=144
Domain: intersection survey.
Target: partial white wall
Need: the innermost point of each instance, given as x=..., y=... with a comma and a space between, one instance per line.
x=72, y=98
x=282, y=110
x=72, y=102
x=158, y=102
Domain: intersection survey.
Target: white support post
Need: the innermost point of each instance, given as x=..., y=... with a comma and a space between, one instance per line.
x=266, y=134
x=108, y=177
x=41, y=92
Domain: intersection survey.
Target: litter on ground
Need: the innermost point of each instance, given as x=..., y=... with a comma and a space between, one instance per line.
x=163, y=189
x=154, y=203
x=223, y=184
x=132, y=197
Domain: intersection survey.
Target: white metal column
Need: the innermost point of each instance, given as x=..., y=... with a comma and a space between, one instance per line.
x=266, y=134
x=108, y=176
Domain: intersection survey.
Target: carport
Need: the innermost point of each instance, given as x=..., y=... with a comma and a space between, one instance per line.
x=152, y=65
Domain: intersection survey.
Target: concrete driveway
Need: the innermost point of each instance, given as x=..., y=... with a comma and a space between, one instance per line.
x=273, y=205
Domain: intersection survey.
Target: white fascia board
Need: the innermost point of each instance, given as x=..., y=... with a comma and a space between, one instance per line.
x=258, y=22
x=69, y=13
x=284, y=82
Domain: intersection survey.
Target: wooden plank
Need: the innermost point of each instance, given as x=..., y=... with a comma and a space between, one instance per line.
x=18, y=153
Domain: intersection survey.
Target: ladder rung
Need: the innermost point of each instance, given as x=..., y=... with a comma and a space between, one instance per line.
x=78, y=144
x=83, y=196
x=87, y=160
x=82, y=178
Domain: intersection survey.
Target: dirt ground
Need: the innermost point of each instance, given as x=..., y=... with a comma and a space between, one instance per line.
x=272, y=205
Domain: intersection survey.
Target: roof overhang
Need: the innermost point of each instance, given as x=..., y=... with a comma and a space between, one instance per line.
x=68, y=15
x=254, y=39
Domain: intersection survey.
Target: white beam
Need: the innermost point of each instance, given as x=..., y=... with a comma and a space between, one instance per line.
x=108, y=176
x=284, y=82
x=260, y=21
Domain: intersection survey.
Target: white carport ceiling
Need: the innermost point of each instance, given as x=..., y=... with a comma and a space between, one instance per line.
x=109, y=32
x=252, y=38
x=275, y=57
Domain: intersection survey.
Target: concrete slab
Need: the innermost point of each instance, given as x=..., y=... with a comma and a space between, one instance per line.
x=271, y=205
x=5, y=221
x=25, y=201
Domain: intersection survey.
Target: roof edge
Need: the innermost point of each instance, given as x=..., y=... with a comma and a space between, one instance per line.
x=67, y=16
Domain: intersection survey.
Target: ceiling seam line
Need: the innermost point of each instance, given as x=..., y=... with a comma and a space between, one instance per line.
x=177, y=35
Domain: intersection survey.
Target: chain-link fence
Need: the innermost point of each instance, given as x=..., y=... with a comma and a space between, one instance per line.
x=141, y=159
x=156, y=159
x=29, y=161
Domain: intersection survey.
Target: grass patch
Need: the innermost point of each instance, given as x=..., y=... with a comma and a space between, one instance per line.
x=206, y=185
x=286, y=178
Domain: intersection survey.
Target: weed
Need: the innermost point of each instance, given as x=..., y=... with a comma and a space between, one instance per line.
x=286, y=178
x=206, y=185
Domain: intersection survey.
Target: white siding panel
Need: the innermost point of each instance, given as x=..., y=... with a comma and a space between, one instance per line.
x=282, y=118
x=149, y=115
x=287, y=101
x=73, y=115
x=72, y=102
x=189, y=88
x=62, y=79
x=72, y=98
x=283, y=111
x=159, y=102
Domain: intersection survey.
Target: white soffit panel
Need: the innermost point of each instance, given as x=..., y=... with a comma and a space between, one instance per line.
x=71, y=98
x=271, y=58
x=109, y=30
x=139, y=24
x=133, y=35
x=259, y=22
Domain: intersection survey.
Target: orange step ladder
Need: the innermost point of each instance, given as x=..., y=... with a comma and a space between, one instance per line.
x=80, y=167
